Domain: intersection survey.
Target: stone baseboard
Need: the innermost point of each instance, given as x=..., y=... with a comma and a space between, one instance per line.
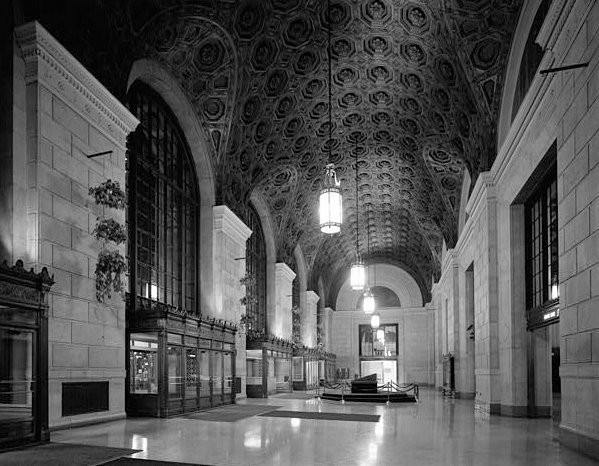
x=465, y=395
x=87, y=421
x=489, y=408
x=513, y=411
x=581, y=443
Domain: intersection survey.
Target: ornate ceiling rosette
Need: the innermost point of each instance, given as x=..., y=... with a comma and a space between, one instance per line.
x=416, y=87
x=402, y=98
x=201, y=54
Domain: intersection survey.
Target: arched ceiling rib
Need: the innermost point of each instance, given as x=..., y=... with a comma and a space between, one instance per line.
x=416, y=88
x=404, y=98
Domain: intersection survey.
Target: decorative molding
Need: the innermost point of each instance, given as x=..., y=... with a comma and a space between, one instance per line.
x=554, y=23
x=483, y=189
x=227, y=222
x=284, y=271
x=24, y=286
x=47, y=61
x=312, y=298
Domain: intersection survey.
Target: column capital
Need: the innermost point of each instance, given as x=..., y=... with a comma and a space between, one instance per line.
x=312, y=298
x=283, y=270
x=230, y=224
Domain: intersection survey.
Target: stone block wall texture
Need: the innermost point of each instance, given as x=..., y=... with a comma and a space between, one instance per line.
x=475, y=248
x=560, y=108
x=309, y=320
x=229, y=241
x=282, y=325
x=415, y=357
x=69, y=115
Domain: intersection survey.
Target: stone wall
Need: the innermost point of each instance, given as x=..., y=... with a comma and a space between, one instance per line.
x=229, y=242
x=415, y=350
x=68, y=116
x=282, y=325
x=560, y=108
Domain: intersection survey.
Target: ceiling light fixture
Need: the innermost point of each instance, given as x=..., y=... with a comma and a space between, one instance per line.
x=358, y=271
x=368, y=305
x=375, y=320
x=331, y=202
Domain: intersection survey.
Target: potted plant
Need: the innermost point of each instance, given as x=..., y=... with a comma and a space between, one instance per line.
x=111, y=265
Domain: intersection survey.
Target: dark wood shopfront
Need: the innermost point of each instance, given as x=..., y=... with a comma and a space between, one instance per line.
x=23, y=355
x=177, y=363
x=268, y=365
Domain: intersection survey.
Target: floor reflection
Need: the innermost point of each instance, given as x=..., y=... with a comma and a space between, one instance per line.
x=434, y=431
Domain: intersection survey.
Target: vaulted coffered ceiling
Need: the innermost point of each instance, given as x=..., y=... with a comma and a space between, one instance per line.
x=416, y=87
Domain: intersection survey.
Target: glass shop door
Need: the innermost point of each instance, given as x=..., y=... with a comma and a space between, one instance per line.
x=229, y=387
x=217, y=378
x=191, y=379
x=204, y=375
x=17, y=385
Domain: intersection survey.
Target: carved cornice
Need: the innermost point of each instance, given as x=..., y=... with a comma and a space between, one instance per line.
x=227, y=222
x=24, y=286
x=284, y=271
x=260, y=337
x=483, y=189
x=312, y=298
x=554, y=23
x=148, y=307
x=49, y=62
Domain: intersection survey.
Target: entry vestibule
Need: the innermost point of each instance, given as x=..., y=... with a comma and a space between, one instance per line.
x=178, y=363
x=23, y=355
x=268, y=365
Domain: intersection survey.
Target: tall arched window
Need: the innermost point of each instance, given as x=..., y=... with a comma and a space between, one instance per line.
x=255, y=265
x=531, y=58
x=163, y=207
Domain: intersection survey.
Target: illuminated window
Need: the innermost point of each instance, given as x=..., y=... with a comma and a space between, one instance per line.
x=378, y=343
x=255, y=265
x=531, y=58
x=164, y=212
x=542, y=284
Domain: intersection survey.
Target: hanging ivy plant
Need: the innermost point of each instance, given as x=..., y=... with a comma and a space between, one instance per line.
x=108, y=229
x=247, y=280
x=248, y=301
x=111, y=264
x=245, y=322
x=109, y=194
x=109, y=271
x=296, y=325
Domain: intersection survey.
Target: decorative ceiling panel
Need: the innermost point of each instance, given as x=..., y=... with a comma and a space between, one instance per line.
x=415, y=84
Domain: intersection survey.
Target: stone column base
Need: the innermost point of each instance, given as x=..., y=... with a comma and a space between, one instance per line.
x=581, y=443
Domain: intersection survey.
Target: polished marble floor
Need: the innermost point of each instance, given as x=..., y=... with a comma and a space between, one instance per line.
x=432, y=432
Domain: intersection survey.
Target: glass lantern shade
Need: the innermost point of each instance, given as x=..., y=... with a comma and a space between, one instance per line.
x=331, y=203
x=554, y=291
x=368, y=302
x=358, y=276
x=375, y=320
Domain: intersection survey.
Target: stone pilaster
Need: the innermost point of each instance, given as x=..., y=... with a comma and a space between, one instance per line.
x=308, y=331
x=280, y=324
x=327, y=328
x=229, y=239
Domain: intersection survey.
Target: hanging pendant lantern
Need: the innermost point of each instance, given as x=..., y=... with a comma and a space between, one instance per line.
x=331, y=203
x=358, y=275
x=375, y=320
x=358, y=270
x=368, y=302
